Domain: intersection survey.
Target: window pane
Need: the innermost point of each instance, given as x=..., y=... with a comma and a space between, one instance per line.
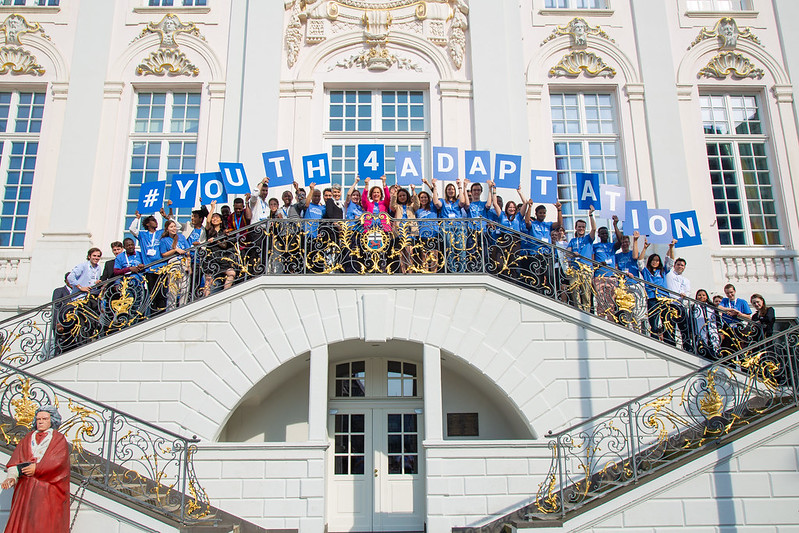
x=739, y=171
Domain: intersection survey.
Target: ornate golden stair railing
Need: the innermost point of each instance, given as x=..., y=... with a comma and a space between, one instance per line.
x=601, y=457
x=145, y=465
x=372, y=246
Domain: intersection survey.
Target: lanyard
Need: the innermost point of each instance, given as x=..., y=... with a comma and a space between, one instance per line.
x=237, y=220
x=285, y=211
x=151, y=238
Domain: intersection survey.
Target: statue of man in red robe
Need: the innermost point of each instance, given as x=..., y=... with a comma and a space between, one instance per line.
x=39, y=467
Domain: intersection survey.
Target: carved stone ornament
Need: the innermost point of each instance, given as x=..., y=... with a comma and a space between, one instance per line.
x=727, y=32
x=579, y=61
x=726, y=64
x=14, y=59
x=168, y=59
x=377, y=59
x=578, y=30
x=442, y=22
x=18, y=61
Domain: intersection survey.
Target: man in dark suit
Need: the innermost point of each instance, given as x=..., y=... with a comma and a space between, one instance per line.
x=60, y=292
x=108, y=268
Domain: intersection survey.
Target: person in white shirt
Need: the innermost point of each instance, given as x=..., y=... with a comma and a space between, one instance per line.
x=677, y=283
x=259, y=203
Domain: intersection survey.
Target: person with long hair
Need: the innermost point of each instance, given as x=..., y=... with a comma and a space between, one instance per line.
x=173, y=245
x=706, y=325
x=764, y=315
x=452, y=207
x=219, y=248
x=429, y=232
x=653, y=271
x=403, y=206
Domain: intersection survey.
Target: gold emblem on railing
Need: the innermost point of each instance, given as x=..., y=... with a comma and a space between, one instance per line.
x=711, y=402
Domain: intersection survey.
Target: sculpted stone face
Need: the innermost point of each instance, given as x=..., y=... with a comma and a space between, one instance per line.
x=579, y=32
x=727, y=36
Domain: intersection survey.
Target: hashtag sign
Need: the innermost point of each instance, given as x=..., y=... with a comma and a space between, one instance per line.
x=150, y=198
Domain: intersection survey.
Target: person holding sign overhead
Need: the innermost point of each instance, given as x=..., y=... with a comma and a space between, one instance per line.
x=541, y=230
x=428, y=232
x=175, y=246
x=451, y=207
x=219, y=246
x=376, y=200
x=403, y=206
x=578, y=272
x=259, y=204
x=605, y=281
x=654, y=272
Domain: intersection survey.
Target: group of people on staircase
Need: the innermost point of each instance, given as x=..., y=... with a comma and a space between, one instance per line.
x=616, y=279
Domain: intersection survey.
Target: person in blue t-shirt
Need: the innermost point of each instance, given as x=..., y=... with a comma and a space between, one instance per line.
x=579, y=271
x=314, y=210
x=634, y=316
x=452, y=207
x=653, y=271
x=430, y=260
x=476, y=208
x=130, y=261
x=175, y=247
x=539, y=230
x=605, y=281
x=733, y=308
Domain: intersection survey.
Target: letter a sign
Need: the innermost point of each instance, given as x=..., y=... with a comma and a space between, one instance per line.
x=409, y=168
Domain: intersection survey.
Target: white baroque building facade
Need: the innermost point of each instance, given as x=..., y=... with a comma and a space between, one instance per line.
x=687, y=104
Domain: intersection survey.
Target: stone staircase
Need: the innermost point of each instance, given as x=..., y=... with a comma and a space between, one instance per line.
x=767, y=393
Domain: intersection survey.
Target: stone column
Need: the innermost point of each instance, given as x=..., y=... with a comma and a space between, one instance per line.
x=433, y=409
x=317, y=395
x=66, y=237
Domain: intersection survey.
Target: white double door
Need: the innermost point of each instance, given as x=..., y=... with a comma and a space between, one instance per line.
x=376, y=470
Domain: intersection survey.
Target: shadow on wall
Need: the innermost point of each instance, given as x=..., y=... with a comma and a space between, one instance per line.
x=275, y=409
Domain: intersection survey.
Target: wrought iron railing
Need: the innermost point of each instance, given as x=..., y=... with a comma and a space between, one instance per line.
x=373, y=245
x=670, y=424
x=139, y=462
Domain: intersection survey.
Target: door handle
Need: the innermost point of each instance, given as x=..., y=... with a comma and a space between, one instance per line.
x=375, y=472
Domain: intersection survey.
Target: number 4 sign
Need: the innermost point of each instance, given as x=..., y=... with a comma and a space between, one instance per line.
x=371, y=160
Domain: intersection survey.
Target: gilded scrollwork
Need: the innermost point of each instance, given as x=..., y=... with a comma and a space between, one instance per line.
x=578, y=61
x=377, y=59
x=442, y=22
x=727, y=32
x=16, y=25
x=168, y=59
x=14, y=59
x=730, y=64
x=110, y=450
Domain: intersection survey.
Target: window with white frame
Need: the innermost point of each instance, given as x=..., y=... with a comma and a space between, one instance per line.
x=163, y=142
x=31, y=3
x=719, y=5
x=176, y=3
x=576, y=4
x=586, y=134
x=397, y=119
x=738, y=159
x=21, y=115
